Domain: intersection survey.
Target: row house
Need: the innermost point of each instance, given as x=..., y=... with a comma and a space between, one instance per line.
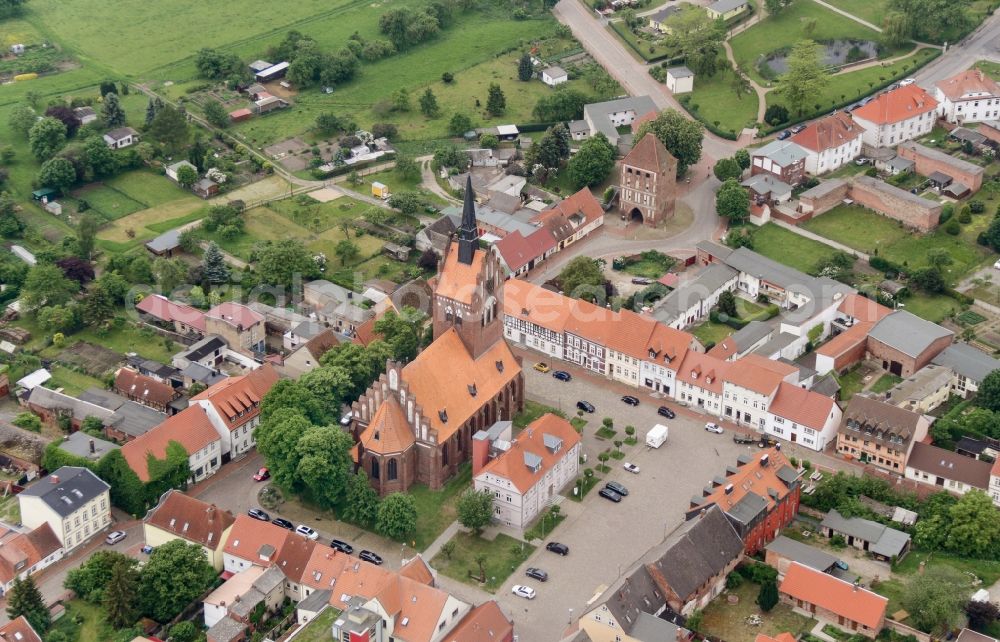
x=830, y=142
x=803, y=417
x=233, y=407
x=895, y=116
x=969, y=96
x=969, y=365
x=879, y=433
x=178, y=516
x=25, y=554
x=749, y=386
x=948, y=470
x=192, y=429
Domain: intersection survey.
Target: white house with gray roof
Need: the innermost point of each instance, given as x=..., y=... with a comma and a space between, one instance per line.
x=608, y=116
x=73, y=501
x=726, y=9
x=693, y=300
x=783, y=159
x=680, y=80
x=970, y=367
x=553, y=76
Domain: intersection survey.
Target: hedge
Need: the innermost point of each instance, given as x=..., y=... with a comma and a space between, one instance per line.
x=617, y=26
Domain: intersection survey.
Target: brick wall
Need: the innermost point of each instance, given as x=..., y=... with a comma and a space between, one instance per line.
x=927, y=165
x=989, y=132
x=880, y=351
x=819, y=201
x=895, y=203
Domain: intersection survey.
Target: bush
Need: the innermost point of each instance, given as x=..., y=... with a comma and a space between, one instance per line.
x=965, y=215
x=838, y=541
x=733, y=581
x=28, y=421
x=946, y=213
x=952, y=227
x=759, y=573
x=977, y=207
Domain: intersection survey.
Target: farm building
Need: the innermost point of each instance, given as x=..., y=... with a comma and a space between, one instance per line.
x=171, y=170
x=258, y=66
x=553, y=76
x=268, y=103
x=85, y=115
x=240, y=115
x=206, y=188
x=121, y=137
x=45, y=194
x=165, y=244
x=273, y=72
x=503, y=132
x=680, y=80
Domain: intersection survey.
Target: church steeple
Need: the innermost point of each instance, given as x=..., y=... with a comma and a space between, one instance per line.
x=468, y=233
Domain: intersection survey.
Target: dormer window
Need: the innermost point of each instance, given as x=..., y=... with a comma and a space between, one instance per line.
x=472, y=389
x=443, y=416
x=499, y=365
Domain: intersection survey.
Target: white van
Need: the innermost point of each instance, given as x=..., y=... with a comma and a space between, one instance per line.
x=656, y=436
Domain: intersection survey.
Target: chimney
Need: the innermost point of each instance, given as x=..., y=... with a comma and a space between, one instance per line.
x=54, y=479
x=701, y=515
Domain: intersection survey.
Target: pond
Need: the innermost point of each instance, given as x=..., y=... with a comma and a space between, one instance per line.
x=835, y=53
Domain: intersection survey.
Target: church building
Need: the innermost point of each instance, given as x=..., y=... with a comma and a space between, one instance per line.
x=415, y=423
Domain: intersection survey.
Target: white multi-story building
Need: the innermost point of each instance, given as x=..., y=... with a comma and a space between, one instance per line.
x=896, y=116
x=949, y=470
x=803, y=417
x=749, y=386
x=233, y=407
x=73, y=501
x=192, y=430
x=968, y=97
x=830, y=142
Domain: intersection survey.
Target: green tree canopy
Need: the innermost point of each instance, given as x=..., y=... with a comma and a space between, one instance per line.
x=935, y=598
x=475, y=509
x=732, y=201
x=46, y=137
x=805, y=79
x=397, y=516
x=582, y=278
x=592, y=162
x=45, y=285
x=25, y=599
x=681, y=136
x=175, y=574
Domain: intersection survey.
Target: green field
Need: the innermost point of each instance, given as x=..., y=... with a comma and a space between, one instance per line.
x=871, y=10
x=645, y=48
x=319, y=217
x=789, y=248
x=503, y=555
x=717, y=103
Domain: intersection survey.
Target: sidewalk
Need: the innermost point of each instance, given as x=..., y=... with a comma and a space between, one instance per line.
x=435, y=546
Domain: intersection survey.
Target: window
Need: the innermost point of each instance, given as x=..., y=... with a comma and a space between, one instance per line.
x=375, y=470
x=391, y=472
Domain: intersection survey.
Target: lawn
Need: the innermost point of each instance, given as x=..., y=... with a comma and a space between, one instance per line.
x=871, y=10
x=749, y=311
x=543, y=526
x=647, y=48
x=151, y=222
x=82, y=622
x=885, y=382
x=107, y=202
x=436, y=508
x=318, y=630
x=316, y=216
x=532, y=411
x=728, y=621
x=397, y=183
x=986, y=570
x=71, y=381
x=789, y=248
x=650, y=264
x=10, y=510
x=935, y=308
x=714, y=101
x=851, y=384
x=711, y=332
x=503, y=555
x=148, y=187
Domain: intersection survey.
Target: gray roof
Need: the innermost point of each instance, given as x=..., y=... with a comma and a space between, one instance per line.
x=782, y=152
x=197, y=372
x=824, y=188
x=725, y=6
x=882, y=540
x=956, y=189
x=135, y=419
x=308, y=329
x=907, y=332
x=649, y=628
x=891, y=544
x=777, y=343
x=554, y=71
x=247, y=602
x=900, y=164
x=598, y=114
x=67, y=489
x=204, y=347
x=51, y=400
x=121, y=133
x=940, y=178
x=747, y=509
x=167, y=241
x=708, y=281
x=226, y=630
x=664, y=13
x=103, y=398
x=577, y=126
x=316, y=600
x=495, y=218
x=750, y=334
x=767, y=184
x=79, y=443
x=715, y=249
x=941, y=157
x=339, y=300
x=827, y=386
x=968, y=635
x=634, y=594
x=680, y=72
x=802, y=553
x=967, y=361
x=961, y=133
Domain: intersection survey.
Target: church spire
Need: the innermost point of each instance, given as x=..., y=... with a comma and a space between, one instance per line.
x=468, y=233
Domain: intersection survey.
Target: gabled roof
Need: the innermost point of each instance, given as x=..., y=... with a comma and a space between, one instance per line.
x=967, y=361
x=169, y=240
x=950, y=465
x=258, y=542
x=804, y=407
x=883, y=418
x=835, y=595
x=725, y=6
x=19, y=630
x=948, y=160
x=67, y=489
x=908, y=333
x=971, y=84
x=190, y=518
x=235, y=314
x=191, y=428
x=518, y=250
x=121, y=133
x=804, y=554
x=897, y=105
x=829, y=132
x=21, y=551
x=703, y=371
x=862, y=308
x=599, y=114
x=143, y=387
x=79, y=409
x=781, y=637
x=968, y=635
x=579, y=210
x=164, y=309
x=484, y=623
x=782, y=152
x=322, y=343
x=388, y=432
x=882, y=539
x=241, y=395
x=549, y=438
x=758, y=373
x=649, y=154
x=762, y=479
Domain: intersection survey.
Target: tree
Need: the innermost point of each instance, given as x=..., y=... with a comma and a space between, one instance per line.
x=429, y=104
x=175, y=574
x=742, y=157
x=100, y=158
x=593, y=161
x=806, y=78
x=582, y=278
x=66, y=115
x=213, y=265
x=216, y=114
x=25, y=599
x=86, y=233
x=939, y=258
x=408, y=203
x=169, y=128
x=21, y=119
x=120, y=595
x=111, y=111
x=184, y=631
x=681, y=136
x=560, y=105
x=324, y=462
x=360, y=501
x=448, y=548
x=45, y=285
x=775, y=115
x=108, y=87
x=732, y=201
x=401, y=332
x=935, y=598
x=280, y=262
x=767, y=598
x=928, y=279
x=981, y=614
x=58, y=173
x=328, y=124
x=727, y=168
x=551, y=149
x=699, y=41
x=496, y=101
x=76, y=269
x=46, y=137
x=974, y=526
x=407, y=168
x=489, y=141
x=896, y=29
x=397, y=516
x=774, y=7
x=169, y=273
x=727, y=304
x=989, y=392
x=277, y=436
x=525, y=70
x=346, y=250
x=91, y=578
x=459, y=124
x=930, y=19
x=475, y=509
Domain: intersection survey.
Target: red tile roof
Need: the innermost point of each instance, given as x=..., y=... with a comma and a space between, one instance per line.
x=190, y=428
x=579, y=210
x=21, y=551
x=249, y=536
x=242, y=394
x=456, y=280
x=511, y=465
x=388, y=432
x=146, y=389
x=18, y=630
x=190, y=518
x=835, y=595
x=846, y=341
x=757, y=373
x=781, y=637
x=829, y=132
x=485, y=623
x=703, y=371
x=642, y=120
x=235, y=314
x=896, y=106
x=648, y=154
x=967, y=83
x=804, y=407
x=164, y=309
x=518, y=250
x=863, y=308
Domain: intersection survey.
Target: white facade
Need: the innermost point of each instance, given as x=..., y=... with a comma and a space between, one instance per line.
x=891, y=134
x=702, y=398
x=814, y=437
x=971, y=108
x=950, y=485
x=833, y=158
x=43, y=563
x=236, y=441
x=681, y=84
x=554, y=76
x=534, y=336
x=74, y=529
x=745, y=407
x=206, y=462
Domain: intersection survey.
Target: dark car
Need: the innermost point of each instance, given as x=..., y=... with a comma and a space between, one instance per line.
x=556, y=547
x=618, y=488
x=257, y=513
x=537, y=574
x=630, y=400
x=798, y=128
x=585, y=406
x=607, y=493
x=663, y=411
x=368, y=556
x=785, y=134
x=284, y=523
x=562, y=375
x=341, y=546
x=641, y=280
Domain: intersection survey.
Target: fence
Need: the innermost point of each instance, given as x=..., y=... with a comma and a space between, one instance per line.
x=902, y=629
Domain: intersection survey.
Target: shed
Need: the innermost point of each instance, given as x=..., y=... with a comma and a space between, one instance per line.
x=967, y=135
x=206, y=188
x=956, y=190
x=240, y=115
x=680, y=80
x=258, y=66
x=553, y=76
x=45, y=194
x=171, y=170
x=166, y=243
x=398, y=252
x=273, y=72
x=940, y=180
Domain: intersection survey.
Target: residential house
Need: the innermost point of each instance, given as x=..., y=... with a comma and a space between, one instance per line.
x=830, y=142
x=924, y=390
x=880, y=433
x=750, y=384
x=484, y=623
x=658, y=20
x=803, y=417
x=338, y=307
x=437, y=235
x=759, y=497
x=80, y=444
x=895, y=116
x=782, y=159
x=241, y=327
x=183, y=319
x=172, y=169
x=238, y=597
x=519, y=254
x=928, y=161
x=606, y=117
x=20, y=630
x=947, y=469
x=192, y=430
x=553, y=76
x=766, y=190
x=85, y=115
x=969, y=365
x=856, y=316
x=829, y=599
x=145, y=390
x=305, y=358
x=572, y=218
x=648, y=183
x=27, y=553
x=969, y=96
x=233, y=408
x=121, y=137
x=181, y=517
x=726, y=9
x=882, y=542
x=693, y=300
x=209, y=352
x=251, y=542
x=784, y=551
x=680, y=80
x=744, y=341
x=53, y=407
x=128, y=419
x=524, y=474
x=73, y=501
x=968, y=635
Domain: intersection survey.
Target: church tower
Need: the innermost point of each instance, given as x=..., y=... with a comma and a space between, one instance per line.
x=468, y=295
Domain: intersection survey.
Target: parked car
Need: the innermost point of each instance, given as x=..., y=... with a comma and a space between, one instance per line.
x=562, y=375
x=341, y=546
x=716, y=428
x=607, y=493
x=861, y=160
x=585, y=406
x=618, y=488
x=630, y=400
x=147, y=549
x=556, y=547
x=663, y=411
x=284, y=523
x=798, y=128
x=908, y=81
x=115, y=536
x=841, y=564
x=368, y=556
x=785, y=134
x=537, y=574
x=262, y=474
x=346, y=419
x=526, y=592
x=641, y=280
x=302, y=529
x=257, y=513
x=542, y=367
x=632, y=468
